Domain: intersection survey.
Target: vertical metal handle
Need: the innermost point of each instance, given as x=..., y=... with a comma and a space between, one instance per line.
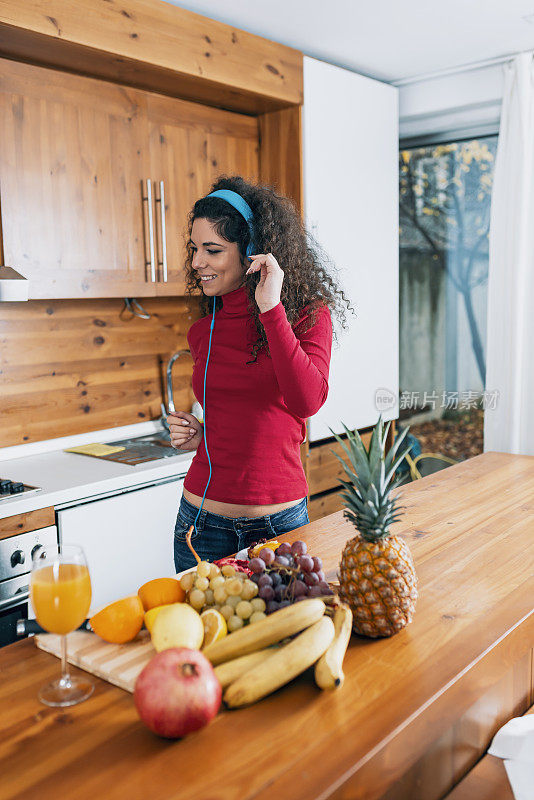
x=151, y=230
x=163, y=235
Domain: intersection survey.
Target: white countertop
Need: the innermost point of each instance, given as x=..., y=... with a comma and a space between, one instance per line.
x=67, y=478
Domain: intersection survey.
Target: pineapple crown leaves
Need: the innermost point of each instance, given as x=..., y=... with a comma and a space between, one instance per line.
x=366, y=464
x=370, y=506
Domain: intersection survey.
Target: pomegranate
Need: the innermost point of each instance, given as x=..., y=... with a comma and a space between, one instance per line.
x=239, y=564
x=177, y=692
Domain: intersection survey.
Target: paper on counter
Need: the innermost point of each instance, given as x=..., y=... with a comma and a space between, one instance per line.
x=95, y=449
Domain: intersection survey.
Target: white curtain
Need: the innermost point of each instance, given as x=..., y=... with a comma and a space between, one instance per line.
x=509, y=426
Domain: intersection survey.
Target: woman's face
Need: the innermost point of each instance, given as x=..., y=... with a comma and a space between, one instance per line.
x=213, y=255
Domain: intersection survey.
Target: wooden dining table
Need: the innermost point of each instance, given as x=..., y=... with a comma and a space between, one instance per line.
x=416, y=711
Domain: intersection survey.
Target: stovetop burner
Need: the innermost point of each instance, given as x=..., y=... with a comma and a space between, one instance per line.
x=10, y=488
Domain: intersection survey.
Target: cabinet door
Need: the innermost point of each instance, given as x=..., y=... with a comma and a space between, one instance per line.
x=350, y=130
x=73, y=159
x=127, y=539
x=190, y=145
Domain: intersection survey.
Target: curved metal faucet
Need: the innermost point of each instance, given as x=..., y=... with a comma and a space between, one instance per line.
x=166, y=410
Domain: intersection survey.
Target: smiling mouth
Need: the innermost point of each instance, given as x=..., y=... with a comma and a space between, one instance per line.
x=207, y=278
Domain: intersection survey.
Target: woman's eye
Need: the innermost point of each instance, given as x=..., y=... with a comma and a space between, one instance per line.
x=211, y=252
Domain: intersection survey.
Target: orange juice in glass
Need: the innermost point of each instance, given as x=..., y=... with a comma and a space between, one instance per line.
x=61, y=595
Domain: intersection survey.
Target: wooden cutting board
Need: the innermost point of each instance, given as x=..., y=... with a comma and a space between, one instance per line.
x=119, y=664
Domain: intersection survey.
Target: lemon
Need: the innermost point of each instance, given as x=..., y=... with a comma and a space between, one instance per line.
x=177, y=625
x=214, y=626
x=151, y=615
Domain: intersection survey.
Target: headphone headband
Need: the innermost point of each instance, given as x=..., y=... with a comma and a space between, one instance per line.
x=240, y=205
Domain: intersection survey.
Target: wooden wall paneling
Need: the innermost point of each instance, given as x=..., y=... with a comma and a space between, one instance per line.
x=281, y=152
x=74, y=153
x=30, y=521
x=157, y=46
x=74, y=366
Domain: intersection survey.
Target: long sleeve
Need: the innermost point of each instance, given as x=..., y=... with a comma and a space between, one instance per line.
x=255, y=413
x=301, y=360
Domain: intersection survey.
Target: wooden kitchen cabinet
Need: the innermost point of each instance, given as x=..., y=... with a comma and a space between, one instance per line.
x=72, y=164
x=82, y=166
x=190, y=145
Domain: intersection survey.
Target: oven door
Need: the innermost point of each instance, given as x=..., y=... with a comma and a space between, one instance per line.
x=13, y=606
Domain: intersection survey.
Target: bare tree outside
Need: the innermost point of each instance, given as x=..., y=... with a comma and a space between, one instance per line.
x=445, y=202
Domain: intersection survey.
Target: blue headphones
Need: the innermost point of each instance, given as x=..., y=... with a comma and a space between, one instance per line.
x=235, y=200
x=240, y=205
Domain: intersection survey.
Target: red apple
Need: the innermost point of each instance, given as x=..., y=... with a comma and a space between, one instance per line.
x=177, y=692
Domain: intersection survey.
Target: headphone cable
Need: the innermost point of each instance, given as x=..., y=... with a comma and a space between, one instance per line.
x=204, y=413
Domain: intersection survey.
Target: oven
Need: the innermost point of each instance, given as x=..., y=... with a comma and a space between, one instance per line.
x=16, y=554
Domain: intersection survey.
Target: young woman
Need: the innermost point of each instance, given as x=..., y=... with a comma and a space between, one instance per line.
x=269, y=297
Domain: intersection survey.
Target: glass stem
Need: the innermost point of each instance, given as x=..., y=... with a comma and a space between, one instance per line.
x=65, y=677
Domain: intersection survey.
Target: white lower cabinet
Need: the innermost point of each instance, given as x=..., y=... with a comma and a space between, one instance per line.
x=127, y=538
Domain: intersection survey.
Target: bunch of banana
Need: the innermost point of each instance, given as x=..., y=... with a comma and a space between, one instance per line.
x=256, y=660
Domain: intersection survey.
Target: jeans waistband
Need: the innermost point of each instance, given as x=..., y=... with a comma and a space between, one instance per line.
x=218, y=520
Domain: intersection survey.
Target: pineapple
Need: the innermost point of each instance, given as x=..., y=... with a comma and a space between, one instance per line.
x=377, y=576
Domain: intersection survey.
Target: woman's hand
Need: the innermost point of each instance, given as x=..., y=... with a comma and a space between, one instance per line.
x=270, y=283
x=186, y=431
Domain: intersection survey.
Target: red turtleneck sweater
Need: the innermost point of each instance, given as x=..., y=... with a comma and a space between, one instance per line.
x=255, y=414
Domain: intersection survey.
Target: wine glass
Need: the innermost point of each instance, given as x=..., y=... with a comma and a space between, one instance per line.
x=60, y=593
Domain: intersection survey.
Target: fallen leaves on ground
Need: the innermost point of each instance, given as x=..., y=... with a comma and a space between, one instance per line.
x=458, y=439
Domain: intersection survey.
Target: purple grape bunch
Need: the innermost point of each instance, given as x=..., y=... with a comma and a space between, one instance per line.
x=287, y=575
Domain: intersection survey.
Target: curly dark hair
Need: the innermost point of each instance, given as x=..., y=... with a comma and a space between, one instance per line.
x=277, y=229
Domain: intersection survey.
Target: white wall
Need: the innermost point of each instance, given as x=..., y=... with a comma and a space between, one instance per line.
x=350, y=143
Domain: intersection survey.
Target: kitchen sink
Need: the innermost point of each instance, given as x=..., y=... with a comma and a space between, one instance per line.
x=144, y=448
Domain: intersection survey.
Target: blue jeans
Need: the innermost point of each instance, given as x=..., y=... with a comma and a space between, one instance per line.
x=217, y=536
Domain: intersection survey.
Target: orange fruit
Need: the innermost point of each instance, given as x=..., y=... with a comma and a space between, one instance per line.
x=151, y=615
x=119, y=622
x=161, y=592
